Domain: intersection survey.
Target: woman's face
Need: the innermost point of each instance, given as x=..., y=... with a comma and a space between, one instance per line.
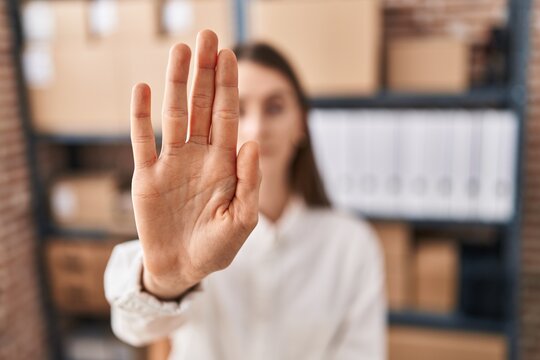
x=269, y=114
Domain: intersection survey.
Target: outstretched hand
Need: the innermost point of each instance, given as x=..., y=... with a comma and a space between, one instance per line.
x=196, y=203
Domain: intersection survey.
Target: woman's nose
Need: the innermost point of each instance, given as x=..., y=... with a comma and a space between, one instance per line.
x=253, y=127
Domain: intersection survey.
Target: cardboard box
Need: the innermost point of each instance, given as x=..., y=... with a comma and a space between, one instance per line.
x=395, y=238
x=84, y=200
x=59, y=22
x=436, y=275
x=93, y=201
x=410, y=343
x=75, y=90
x=76, y=268
x=428, y=64
x=85, y=89
x=73, y=83
x=335, y=45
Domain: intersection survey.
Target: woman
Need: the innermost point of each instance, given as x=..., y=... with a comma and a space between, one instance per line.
x=226, y=265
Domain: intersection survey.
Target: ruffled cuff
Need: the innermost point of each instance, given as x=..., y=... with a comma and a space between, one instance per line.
x=123, y=287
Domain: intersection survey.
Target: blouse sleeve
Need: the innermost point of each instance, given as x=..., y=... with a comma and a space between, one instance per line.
x=137, y=317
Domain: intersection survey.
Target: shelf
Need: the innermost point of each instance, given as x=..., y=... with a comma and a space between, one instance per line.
x=437, y=222
x=417, y=223
x=84, y=139
x=447, y=322
x=98, y=234
x=476, y=98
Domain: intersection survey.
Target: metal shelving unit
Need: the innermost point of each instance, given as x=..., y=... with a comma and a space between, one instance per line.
x=497, y=97
x=83, y=139
x=513, y=96
x=454, y=321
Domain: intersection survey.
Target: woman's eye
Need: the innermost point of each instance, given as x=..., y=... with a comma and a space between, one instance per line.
x=274, y=109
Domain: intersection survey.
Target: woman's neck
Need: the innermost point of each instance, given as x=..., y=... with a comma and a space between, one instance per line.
x=273, y=197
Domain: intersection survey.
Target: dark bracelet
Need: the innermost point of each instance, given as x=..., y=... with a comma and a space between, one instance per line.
x=178, y=299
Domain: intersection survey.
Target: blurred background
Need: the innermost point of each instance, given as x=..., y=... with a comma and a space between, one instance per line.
x=425, y=120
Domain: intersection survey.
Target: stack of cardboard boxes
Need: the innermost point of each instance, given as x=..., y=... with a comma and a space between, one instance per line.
x=337, y=48
x=409, y=343
x=76, y=268
x=83, y=57
x=396, y=243
x=92, y=201
x=86, y=201
x=422, y=275
x=436, y=269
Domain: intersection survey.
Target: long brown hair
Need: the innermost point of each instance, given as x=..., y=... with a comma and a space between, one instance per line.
x=304, y=177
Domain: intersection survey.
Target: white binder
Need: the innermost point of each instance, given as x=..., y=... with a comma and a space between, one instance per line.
x=505, y=187
x=462, y=139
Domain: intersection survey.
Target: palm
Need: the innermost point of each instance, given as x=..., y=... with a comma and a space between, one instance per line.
x=196, y=204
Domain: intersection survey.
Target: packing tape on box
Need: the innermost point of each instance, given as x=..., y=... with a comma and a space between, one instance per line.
x=38, y=66
x=178, y=17
x=103, y=17
x=64, y=201
x=38, y=21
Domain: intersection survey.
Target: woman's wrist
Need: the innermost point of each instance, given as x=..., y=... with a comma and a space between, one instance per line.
x=164, y=290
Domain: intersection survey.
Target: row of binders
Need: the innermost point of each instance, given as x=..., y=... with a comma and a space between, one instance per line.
x=419, y=164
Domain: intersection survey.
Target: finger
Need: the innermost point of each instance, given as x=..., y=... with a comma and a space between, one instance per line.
x=246, y=200
x=226, y=104
x=175, y=109
x=202, y=94
x=141, y=132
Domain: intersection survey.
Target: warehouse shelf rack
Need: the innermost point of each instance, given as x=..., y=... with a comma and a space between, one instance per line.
x=512, y=96
x=431, y=222
x=494, y=97
x=53, y=230
x=74, y=139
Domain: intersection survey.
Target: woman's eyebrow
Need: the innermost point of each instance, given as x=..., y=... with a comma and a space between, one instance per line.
x=277, y=94
x=282, y=93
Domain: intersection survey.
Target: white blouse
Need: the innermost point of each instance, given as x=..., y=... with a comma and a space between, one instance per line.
x=310, y=286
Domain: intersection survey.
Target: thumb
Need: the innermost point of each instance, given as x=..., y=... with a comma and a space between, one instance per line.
x=246, y=199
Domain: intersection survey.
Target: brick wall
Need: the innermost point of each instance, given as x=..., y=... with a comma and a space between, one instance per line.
x=21, y=322
x=530, y=279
